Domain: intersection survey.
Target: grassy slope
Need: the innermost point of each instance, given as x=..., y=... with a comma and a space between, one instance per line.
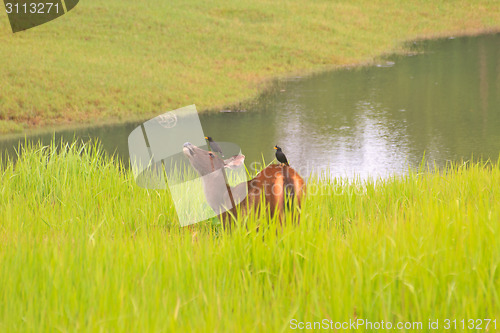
x=123, y=59
x=82, y=247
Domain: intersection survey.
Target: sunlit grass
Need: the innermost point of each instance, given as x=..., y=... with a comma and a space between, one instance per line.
x=119, y=60
x=83, y=248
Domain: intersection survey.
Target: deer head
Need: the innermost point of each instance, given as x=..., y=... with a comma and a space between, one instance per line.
x=211, y=169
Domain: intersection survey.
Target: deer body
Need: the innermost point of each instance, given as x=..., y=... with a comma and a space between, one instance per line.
x=279, y=186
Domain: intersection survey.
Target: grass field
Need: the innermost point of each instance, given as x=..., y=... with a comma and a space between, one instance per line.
x=120, y=60
x=82, y=248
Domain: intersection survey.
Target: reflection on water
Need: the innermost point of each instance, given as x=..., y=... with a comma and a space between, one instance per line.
x=379, y=120
x=371, y=121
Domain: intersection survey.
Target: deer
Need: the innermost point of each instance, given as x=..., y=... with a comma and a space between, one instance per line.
x=278, y=187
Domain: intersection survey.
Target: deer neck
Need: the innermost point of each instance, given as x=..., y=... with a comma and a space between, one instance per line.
x=214, y=187
x=220, y=196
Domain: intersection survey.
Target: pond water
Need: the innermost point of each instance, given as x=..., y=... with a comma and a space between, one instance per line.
x=443, y=101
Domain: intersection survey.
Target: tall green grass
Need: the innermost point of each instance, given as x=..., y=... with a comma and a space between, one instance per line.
x=82, y=248
x=126, y=59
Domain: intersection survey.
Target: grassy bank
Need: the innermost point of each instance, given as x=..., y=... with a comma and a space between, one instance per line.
x=83, y=248
x=120, y=60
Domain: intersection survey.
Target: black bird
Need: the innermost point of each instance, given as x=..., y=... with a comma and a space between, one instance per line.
x=214, y=145
x=280, y=156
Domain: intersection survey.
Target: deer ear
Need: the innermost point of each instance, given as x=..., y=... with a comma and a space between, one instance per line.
x=234, y=162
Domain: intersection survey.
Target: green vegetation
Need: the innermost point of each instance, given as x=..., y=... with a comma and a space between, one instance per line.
x=123, y=59
x=83, y=248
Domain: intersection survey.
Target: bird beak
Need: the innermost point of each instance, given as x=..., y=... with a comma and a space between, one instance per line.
x=206, y=138
x=275, y=148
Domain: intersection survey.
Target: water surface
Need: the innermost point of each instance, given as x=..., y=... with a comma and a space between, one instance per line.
x=443, y=101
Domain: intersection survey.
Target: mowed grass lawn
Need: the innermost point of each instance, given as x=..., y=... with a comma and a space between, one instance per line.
x=119, y=60
x=82, y=248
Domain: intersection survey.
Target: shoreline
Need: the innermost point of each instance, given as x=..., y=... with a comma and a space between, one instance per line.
x=267, y=86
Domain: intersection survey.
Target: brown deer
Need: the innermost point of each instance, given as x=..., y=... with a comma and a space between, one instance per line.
x=279, y=186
